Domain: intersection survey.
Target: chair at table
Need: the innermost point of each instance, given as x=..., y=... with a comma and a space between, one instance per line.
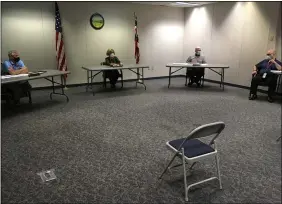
x=192, y=150
x=105, y=78
x=201, y=79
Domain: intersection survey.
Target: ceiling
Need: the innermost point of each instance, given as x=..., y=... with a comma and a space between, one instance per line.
x=175, y=4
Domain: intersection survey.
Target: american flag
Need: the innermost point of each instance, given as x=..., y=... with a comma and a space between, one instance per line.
x=137, y=54
x=60, y=48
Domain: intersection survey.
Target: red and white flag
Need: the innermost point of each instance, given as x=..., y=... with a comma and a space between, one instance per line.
x=60, y=48
x=137, y=53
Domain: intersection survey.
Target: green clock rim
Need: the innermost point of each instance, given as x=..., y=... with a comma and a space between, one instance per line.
x=97, y=15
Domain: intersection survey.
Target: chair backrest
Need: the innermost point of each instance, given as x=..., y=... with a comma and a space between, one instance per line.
x=205, y=131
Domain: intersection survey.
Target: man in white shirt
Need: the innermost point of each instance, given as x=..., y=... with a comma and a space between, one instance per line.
x=195, y=74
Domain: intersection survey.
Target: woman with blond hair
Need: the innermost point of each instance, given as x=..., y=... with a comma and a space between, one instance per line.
x=112, y=61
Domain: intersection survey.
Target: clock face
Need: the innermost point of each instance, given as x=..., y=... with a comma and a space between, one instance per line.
x=97, y=21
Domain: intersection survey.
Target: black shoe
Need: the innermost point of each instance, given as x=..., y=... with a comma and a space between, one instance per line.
x=190, y=83
x=270, y=99
x=198, y=84
x=253, y=97
x=113, y=86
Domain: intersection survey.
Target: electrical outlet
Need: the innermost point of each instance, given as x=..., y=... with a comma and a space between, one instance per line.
x=271, y=38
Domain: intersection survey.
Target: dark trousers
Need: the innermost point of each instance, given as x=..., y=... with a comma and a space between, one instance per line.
x=195, y=74
x=17, y=90
x=270, y=81
x=112, y=75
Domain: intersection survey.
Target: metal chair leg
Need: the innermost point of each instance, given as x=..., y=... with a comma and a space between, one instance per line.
x=218, y=171
x=184, y=172
x=168, y=165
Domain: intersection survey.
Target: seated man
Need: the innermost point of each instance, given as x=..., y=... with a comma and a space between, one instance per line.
x=195, y=74
x=113, y=61
x=15, y=66
x=262, y=73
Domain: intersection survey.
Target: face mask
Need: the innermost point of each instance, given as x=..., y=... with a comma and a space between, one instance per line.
x=268, y=57
x=112, y=55
x=17, y=59
x=198, y=53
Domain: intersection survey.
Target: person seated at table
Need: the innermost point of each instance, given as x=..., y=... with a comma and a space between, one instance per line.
x=195, y=74
x=262, y=73
x=14, y=66
x=112, y=61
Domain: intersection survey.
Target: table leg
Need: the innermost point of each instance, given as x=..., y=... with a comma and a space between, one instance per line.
x=223, y=78
x=53, y=88
x=63, y=91
x=138, y=76
x=87, y=81
x=92, y=83
x=62, y=87
x=169, y=75
x=220, y=79
x=140, y=80
x=143, y=78
x=186, y=77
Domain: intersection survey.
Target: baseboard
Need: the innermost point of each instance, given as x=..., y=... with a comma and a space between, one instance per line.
x=99, y=83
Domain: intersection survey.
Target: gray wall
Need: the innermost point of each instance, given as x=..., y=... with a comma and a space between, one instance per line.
x=233, y=33
x=29, y=28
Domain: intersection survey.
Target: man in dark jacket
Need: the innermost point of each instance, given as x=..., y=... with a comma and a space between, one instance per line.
x=262, y=73
x=112, y=61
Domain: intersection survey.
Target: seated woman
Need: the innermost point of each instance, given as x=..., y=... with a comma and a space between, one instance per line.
x=112, y=61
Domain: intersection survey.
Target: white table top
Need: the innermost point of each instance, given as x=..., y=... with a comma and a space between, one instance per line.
x=48, y=73
x=276, y=72
x=103, y=67
x=198, y=66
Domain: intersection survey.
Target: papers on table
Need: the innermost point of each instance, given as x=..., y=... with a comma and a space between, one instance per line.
x=179, y=63
x=13, y=76
x=276, y=71
x=195, y=64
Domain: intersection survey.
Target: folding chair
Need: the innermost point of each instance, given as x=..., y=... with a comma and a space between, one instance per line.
x=192, y=150
x=105, y=79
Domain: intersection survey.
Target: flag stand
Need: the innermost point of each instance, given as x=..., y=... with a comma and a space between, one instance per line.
x=65, y=88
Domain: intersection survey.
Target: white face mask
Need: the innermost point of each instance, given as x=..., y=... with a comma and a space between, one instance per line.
x=112, y=55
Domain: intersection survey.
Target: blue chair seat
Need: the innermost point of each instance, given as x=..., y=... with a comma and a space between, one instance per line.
x=192, y=148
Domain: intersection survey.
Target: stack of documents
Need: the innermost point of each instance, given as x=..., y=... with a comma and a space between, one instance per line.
x=179, y=63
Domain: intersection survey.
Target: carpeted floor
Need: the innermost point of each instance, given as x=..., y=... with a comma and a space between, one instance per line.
x=110, y=148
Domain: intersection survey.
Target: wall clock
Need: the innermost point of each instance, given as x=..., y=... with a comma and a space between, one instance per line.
x=97, y=21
